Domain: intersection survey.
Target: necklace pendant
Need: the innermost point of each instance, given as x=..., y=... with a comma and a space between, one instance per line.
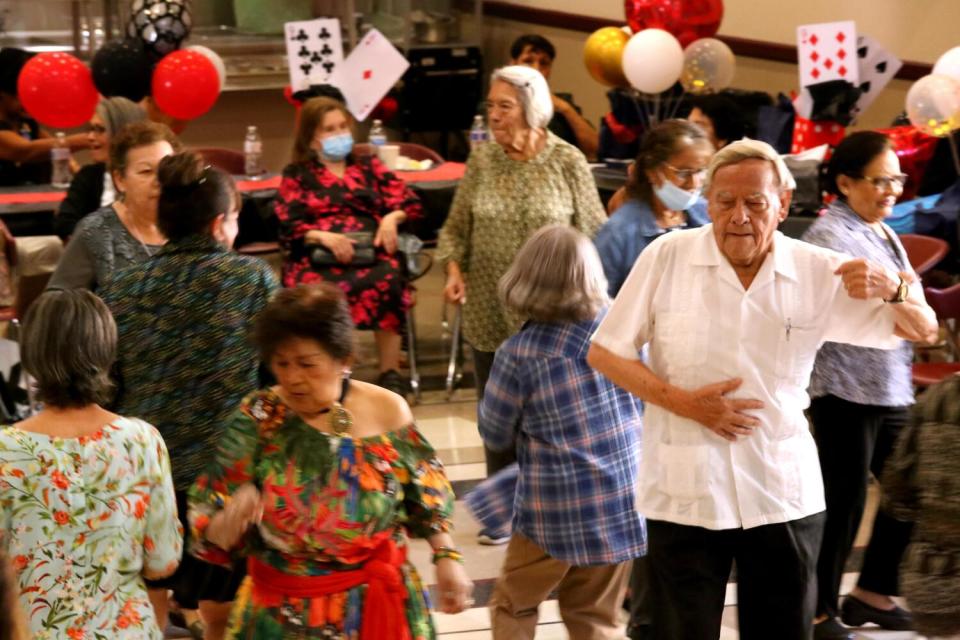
x=340, y=420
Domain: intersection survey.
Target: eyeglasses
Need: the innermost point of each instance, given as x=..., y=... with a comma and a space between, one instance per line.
x=98, y=129
x=502, y=106
x=686, y=174
x=884, y=183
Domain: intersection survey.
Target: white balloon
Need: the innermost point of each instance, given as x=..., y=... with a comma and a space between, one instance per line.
x=215, y=58
x=652, y=60
x=949, y=64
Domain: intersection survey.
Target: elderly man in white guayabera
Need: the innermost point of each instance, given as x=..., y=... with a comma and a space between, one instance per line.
x=733, y=313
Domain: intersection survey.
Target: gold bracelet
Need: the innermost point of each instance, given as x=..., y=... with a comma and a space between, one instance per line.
x=447, y=552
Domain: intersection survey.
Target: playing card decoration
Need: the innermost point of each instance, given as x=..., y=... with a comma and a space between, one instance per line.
x=314, y=51
x=808, y=134
x=833, y=101
x=161, y=24
x=368, y=73
x=877, y=68
x=828, y=52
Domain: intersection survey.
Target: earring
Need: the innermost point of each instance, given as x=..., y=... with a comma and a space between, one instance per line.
x=347, y=372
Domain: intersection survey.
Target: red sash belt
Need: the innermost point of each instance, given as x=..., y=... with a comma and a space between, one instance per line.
x=384, y=613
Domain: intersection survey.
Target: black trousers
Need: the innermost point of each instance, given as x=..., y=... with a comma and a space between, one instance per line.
x=640, y=626
x=776, y=579
x=496, y=460
x=855, y=440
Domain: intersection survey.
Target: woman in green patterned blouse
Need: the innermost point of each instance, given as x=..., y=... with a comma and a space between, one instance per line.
x=529, y=179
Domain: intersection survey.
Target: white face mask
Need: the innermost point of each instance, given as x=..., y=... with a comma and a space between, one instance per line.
x=673, y=197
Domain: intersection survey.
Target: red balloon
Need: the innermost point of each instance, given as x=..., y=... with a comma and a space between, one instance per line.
x=185, y=84
x=57, y=90
x=687, y=20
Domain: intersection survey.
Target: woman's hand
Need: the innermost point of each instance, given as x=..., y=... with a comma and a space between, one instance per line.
x=453, y=586
x=455, y=291
x=229, y=526
x=387, y=231
x=340, y=245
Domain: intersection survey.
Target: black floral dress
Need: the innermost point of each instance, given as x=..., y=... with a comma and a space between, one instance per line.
x=311, y=197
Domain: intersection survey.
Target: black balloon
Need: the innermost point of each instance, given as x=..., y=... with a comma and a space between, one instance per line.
x=122, y=68
x=160, y=24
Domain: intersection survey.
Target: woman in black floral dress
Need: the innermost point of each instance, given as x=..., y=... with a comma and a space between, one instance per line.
x=327, y=193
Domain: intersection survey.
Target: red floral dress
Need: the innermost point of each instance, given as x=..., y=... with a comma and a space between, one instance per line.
x=311, y=197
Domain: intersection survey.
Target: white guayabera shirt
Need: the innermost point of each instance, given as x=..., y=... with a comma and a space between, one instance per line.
x=684, y=300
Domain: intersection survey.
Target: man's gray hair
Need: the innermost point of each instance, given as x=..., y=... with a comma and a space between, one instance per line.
x=532, y=90
x=556, y=276
x=747, y=149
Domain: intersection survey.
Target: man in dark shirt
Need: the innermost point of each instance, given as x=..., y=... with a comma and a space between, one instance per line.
x=535, y=51
x=24, y=146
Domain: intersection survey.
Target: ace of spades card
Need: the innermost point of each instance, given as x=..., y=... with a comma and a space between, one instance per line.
x=314, y=51
x=827, y=51
x=877, y=68
x=368, y=73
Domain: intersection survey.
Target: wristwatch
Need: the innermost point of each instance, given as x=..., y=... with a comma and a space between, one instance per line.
x=902, y=290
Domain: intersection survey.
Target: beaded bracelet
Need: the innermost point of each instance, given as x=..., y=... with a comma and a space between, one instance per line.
x=447, y=552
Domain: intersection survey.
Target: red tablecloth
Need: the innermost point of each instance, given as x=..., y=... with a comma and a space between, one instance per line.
x=443, y=172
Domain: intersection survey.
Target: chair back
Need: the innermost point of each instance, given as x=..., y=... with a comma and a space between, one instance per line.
x=411, y=150
x=924, y=252
x=224, y=159
x=946, y=304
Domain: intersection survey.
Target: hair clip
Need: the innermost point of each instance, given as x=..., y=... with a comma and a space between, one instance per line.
x=203, y=176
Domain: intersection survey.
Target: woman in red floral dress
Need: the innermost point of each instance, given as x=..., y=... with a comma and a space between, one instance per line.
x=327, y=193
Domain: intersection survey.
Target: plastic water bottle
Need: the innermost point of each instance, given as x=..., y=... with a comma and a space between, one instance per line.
x=252, y=153
x=478, y=132
x=60, y=163
x=378, y=135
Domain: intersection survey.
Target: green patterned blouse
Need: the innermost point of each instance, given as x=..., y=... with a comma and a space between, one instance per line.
x=500, y=202
x=185, y=358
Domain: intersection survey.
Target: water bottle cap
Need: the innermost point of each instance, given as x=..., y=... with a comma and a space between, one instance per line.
x=252, y=128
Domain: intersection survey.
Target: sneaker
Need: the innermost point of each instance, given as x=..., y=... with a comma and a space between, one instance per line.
x=831, y=629
x=392, y=381
x=856, y=613
x=492, y=538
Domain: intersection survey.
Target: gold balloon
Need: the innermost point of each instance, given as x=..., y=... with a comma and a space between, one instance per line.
x=602, y=54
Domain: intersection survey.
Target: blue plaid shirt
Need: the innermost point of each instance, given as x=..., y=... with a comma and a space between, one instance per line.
x=578, y=445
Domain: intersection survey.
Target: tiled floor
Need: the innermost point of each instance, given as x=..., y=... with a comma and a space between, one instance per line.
x=450, y=425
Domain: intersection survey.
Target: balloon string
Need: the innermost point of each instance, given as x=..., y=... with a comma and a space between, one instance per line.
x=641, y=110
x=953, y=149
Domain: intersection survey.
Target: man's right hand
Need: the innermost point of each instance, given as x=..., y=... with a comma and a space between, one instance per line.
x=455, y=291
x=339, y=245
x=724, y=416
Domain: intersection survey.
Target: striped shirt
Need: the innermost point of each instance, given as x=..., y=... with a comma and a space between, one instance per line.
x=578, y=445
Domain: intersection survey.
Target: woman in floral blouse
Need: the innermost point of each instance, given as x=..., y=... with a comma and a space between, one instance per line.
x=86, y=497
x=321, y=480
x=343, y=204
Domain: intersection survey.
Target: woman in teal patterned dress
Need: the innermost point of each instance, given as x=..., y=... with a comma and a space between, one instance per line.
x=319, y=481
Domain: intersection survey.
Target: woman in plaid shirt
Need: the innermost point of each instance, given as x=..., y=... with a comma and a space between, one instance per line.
x=576, y=434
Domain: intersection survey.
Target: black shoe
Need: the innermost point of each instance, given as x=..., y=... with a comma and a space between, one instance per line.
x=831, y=629
x=393, y=381
x=856, y=613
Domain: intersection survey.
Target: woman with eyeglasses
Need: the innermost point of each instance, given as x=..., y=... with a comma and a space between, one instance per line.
x=92, y=187
x=663, y=194
x=861, y=398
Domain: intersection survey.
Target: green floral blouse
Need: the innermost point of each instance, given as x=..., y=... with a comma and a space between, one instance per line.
x=328, y=501
x=499, y=204
x=82, y=520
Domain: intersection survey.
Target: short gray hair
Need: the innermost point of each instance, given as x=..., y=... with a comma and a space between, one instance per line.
x=556, y=276
x=747, y=149
x=68, y=345
x=117, y=112
x=532, y=90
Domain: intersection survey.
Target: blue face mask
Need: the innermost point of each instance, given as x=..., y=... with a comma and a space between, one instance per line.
x=675, y=198
x=337, y=147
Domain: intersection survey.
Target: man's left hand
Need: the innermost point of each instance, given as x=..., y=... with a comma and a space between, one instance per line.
x=560, y=105
x=865, y=280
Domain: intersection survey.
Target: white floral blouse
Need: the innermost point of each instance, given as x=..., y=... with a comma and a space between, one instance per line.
x=82, y=519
